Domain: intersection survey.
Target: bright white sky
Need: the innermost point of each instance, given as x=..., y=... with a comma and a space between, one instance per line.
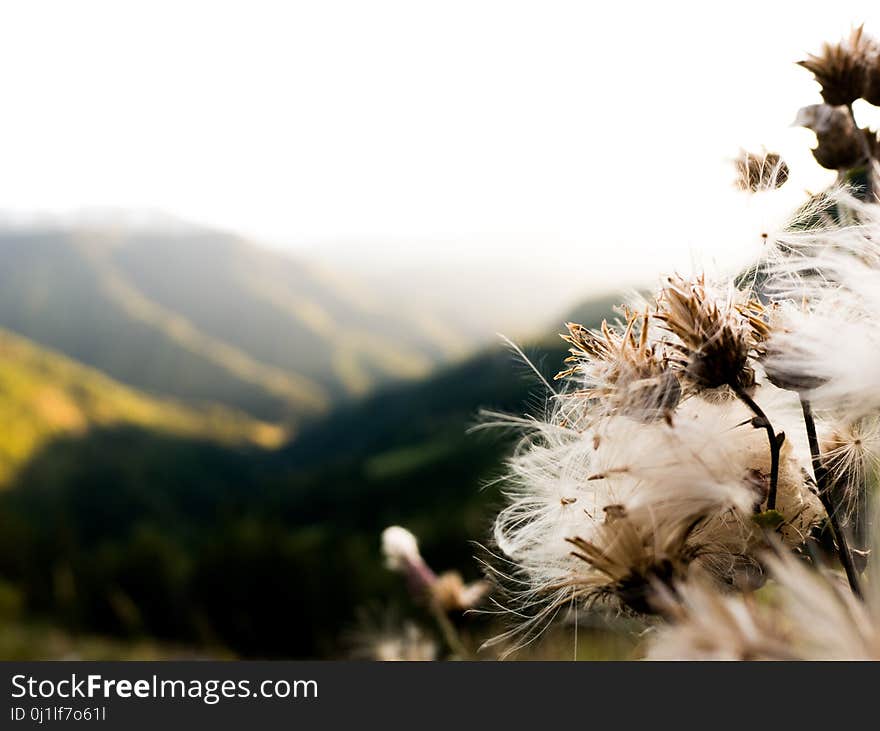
x=603, y=130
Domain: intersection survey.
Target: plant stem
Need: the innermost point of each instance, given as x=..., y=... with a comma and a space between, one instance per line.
x=773, y=438
x=450, y=634
x=824, y=488
x=869, y=158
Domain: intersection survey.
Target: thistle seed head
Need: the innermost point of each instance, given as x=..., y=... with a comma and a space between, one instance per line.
x=715, y=336
x=846, y=70
x=629, y=557
x=841, y=144
x=624, y=371
x=760, y=171
x=780, y=367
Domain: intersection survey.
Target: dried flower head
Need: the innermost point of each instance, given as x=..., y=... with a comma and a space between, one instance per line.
x=760, y=171
x=632, y=552
x=716, y=334
x=447, y=591
x=843, y=69
x=851, y=454
x=785, y=360
x=452, y=594
x=778, y=368
x=642, y=501
x=624, y=371
x=824, y=328
x=871, y=92
x=810, y=615
x=841, y=145
x=401, y=551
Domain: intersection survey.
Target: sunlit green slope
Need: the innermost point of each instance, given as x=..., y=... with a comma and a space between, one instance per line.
x=44, y=395
x=205, y=316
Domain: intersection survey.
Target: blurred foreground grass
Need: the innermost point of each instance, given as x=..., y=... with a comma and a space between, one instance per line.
x=38, y=641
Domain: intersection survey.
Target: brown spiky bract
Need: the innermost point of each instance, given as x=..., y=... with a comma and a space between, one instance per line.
x=632, y=559
x=634, y=552
x=625, y=368
x=845, y=70
x=841, y=144
x=760, y=171
x=715, y=336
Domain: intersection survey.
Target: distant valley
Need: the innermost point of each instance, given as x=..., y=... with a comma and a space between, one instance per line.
x=206, y=317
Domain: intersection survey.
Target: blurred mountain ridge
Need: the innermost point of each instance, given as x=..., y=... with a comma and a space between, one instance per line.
x=204, y=316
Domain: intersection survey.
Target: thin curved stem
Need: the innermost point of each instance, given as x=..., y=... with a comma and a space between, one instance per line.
x=824, y=488
x=450, y=633
x=775, y=441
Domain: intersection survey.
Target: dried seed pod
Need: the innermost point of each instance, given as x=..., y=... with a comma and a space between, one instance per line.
x=716, y=336
x=760, y=171
x=871, y=93
x=841, y=144
x=844, y=69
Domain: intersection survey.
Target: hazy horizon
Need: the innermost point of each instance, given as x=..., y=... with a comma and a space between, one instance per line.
x=478, y=144
x=469, y=123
